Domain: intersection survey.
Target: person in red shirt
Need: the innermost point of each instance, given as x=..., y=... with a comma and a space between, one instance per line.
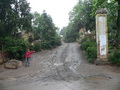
x=27, y=57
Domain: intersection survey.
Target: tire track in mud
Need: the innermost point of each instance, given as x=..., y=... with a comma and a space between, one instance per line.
x=63, y=71
x=61, y=66
x=56, y=62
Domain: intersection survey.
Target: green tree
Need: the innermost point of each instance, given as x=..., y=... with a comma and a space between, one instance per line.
x=45, y=30
x=80, y=17
x=118, y=25
x=5, y=14
x=14, y=16
x=63, y=32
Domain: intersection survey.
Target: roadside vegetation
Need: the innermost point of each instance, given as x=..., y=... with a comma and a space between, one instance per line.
x=83, y=17
x=20, y=29
x=89, y=47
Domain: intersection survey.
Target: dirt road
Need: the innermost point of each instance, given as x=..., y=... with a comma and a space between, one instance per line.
x=63, y=68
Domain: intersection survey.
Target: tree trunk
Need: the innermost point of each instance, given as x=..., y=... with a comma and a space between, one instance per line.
x=118, y=27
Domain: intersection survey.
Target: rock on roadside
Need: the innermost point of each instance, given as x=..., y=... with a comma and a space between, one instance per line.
x=13, y=64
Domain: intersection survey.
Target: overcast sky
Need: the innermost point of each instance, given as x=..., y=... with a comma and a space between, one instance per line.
x=57, y=9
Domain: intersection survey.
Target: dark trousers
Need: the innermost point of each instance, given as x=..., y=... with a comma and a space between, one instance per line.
x=27, y=62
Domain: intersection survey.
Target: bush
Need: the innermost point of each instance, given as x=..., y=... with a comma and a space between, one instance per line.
x=46, y=45
x=115, y=57
x=87, y=43
x=90, y=48
x=91, y=53
x=49, y=44
x=37, y=47
x=57, y=41
x=15, y=48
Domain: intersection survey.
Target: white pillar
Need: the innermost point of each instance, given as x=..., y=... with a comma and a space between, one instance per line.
x=102, y=35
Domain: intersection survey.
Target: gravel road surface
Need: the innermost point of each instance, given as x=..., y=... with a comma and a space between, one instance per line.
x=63, y=68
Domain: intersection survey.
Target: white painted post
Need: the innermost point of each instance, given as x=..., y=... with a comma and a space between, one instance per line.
x=102, y=35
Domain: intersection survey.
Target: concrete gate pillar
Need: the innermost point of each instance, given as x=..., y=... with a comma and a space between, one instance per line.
x=102, y=35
